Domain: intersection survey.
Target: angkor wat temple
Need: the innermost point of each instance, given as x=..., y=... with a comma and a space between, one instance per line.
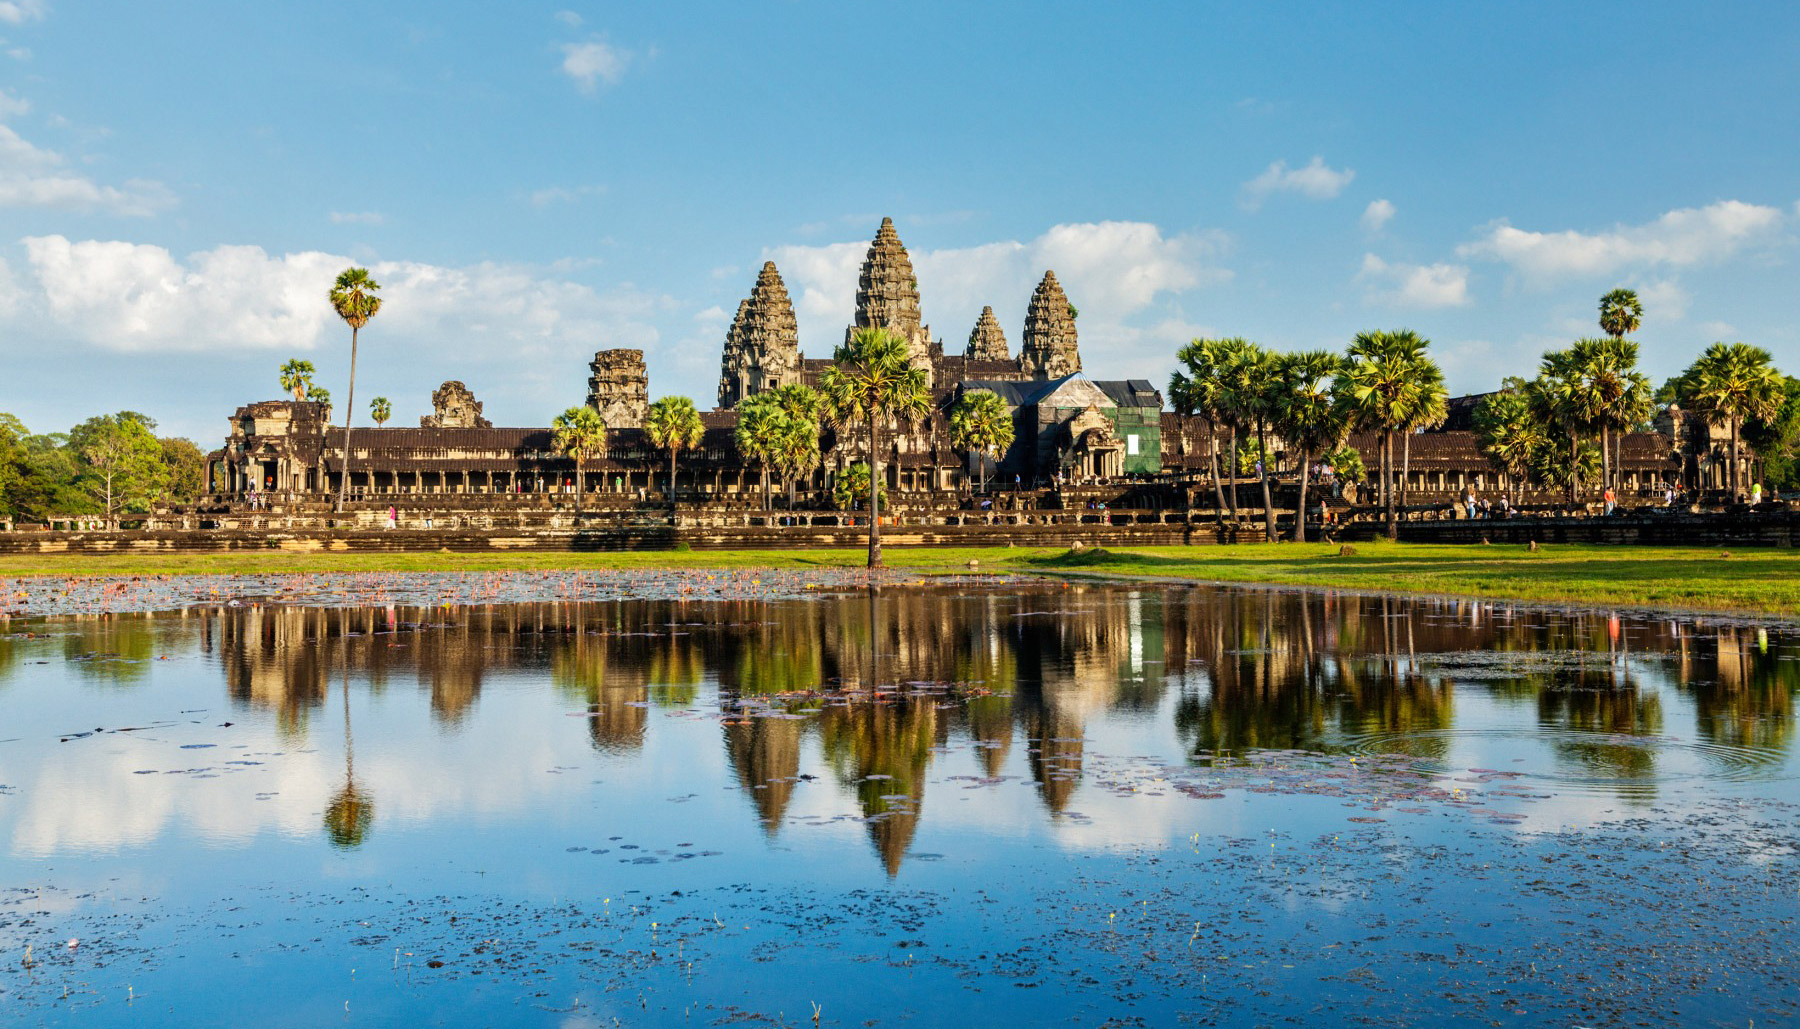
x=1079, y=443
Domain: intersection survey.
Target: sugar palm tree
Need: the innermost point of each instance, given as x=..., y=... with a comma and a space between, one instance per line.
x=980, y=424
x=760, y=426
x=1614, y=394
x=380, y=410
x=1198, y=391
x=1510, y=434
x=579, y=434
x=1729, y=384
x=873, y=382
x=1559, y=394
x=1376, y=385
x=1427, y=405
x=1308, y=414
x=797, y=441
x=354, y=298
x=1620, y=313
x=673, y=423
x=296, y=378
x=1234, y=391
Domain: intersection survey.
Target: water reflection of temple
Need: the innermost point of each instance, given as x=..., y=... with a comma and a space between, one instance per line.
x=881, y=687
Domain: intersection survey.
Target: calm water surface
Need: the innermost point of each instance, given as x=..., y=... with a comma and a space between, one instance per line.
x=995, y=802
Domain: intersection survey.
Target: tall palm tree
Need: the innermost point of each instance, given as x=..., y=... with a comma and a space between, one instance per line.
x=352, y=811
x=1427, y=405
x=797, y=442
x=1199, y=391
x=1614, y=395
x=760, y=426
x=296, y=378
x=980, y=424
x=354, y=299
x=1376, y=385
x=873, y=382
x=380, y=410
x=1730, y=383
x=1510, y=434
x=673, y=424
x=1237, y=386
x=578, y=433
x=1308, y=414
x=1560, y=395
x=1620, y=313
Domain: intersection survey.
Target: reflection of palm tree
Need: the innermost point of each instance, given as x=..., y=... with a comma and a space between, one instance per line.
x=352, y=811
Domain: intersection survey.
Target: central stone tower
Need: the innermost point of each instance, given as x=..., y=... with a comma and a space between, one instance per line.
x=1049, y=351
x=887, y=296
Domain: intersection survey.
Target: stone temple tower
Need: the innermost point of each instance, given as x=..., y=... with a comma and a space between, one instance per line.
x=1049, y=351
x=619, y=388
x=987, y=342
x=762, y=350
x=887, y=295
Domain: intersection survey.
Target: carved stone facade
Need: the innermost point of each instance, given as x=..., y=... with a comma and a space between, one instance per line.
x=987, y=342
x=762, y=349
x=454, y=407
x=887, y=296
x=1050, y=350
x=619, y=388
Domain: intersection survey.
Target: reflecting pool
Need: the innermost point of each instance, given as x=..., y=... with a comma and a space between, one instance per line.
x=719, y=799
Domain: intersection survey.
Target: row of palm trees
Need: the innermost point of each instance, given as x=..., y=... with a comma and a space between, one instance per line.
x=1385, y=382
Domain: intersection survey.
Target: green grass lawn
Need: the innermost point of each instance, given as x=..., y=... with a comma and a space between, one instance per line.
x=1765, y=581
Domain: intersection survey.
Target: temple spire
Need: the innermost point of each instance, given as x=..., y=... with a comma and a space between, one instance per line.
x=987, y=342
x=762, y=348
x=1050, y=350
x=887, y=295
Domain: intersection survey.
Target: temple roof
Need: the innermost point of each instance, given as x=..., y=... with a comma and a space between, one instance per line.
x=1050, y=346
x=987, y=342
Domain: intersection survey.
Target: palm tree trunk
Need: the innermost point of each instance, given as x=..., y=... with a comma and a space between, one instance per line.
x=1734, y=460
x=1405, y=465
x=349, y=411
x=874, y=492
x=768, y=501
x=1232, y=467
x=1606, y=464
x=1300, y=508
x=1387, y=457
x=671, y=478
x=580, y=484
x=1262, y=464
x=1574, y=469
x=1212, y=457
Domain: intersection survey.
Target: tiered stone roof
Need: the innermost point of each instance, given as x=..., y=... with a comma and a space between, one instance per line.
x=1050, y=349
x=762, y=349
x=887, y=294
x=987, y=342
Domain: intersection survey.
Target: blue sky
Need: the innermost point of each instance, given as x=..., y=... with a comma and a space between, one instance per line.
x=179, y=183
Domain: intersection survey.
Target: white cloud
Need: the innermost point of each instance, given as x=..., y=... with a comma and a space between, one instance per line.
x=18, y=12
x=1414, y=285
x=569, y=18
x=357, y=218
x=1377, y=215
x=593, y=63
x=1116, y=273
x=136, y=297
x=1686, y=236
x=31, y=176
x=12, y=106
x=1316, y=181
x=1664, y=301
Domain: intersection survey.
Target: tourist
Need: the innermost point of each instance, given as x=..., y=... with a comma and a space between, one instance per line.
x=1612, y=501
x=393, y=517
x=1755, y=494
x=1469, y=503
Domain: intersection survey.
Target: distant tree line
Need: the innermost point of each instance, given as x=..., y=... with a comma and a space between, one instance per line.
x=110, y=466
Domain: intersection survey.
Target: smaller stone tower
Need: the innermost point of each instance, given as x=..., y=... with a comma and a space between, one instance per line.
x=762, y=349
x=619, y=388
x=1050, y=350
x=987, y=342
x=887, y=295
